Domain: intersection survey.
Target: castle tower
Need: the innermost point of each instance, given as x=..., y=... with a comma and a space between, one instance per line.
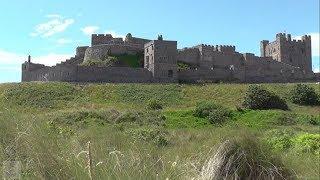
x=160, y=57
x=29, y=58
x=25, y=69
x=286, y=50
x=263, y=45
x=306, y=47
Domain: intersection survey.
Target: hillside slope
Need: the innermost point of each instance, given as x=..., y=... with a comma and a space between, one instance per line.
x=47, y=128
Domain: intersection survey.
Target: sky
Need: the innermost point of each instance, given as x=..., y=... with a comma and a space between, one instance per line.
x=50, y=30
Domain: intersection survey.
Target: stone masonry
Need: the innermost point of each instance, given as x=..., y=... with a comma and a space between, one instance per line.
x=283, y=60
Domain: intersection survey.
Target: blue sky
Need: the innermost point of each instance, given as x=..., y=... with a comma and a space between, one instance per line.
x=51, y=30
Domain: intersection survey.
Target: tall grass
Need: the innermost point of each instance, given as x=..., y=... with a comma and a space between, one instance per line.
x=47, y=128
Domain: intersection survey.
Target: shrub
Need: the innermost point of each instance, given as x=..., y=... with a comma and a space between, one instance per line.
x=183, y=66
x=219, y=115
x=157, y=136
x=259, y=98
x=204, y=108
x=285, y=119
x=280, y=139
x=304, y=95
x=154, y=104
x=216, y=114
x=308, y=143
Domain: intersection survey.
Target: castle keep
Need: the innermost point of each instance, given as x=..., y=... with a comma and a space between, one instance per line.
x=137, y=60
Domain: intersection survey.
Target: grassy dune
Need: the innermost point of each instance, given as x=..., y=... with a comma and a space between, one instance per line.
x=47, y=128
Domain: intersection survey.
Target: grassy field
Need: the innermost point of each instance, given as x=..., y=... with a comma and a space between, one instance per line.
x=49, y=128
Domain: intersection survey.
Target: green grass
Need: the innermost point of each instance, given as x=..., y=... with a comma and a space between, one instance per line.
x=133, y=61
x=46, y=126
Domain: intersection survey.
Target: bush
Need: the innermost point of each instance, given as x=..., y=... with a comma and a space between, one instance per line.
x=280, y=139
x=157, y=136
x=154, y=104
x=304, y=95
x=259, y=98
x=216, y=114
x=204, y=108
x=285, y=119
x=219, y=115
x=308, y=143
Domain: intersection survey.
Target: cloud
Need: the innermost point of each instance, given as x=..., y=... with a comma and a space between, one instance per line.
x=63, y=41
x=114, y=34
x=56, y=24
x=14, y=59
x=54, y=16
x=10, y=58
x=88, y=30
x=51, y=59
x=315, y=41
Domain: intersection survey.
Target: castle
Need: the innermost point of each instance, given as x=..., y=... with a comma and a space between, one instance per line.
x=283, y=60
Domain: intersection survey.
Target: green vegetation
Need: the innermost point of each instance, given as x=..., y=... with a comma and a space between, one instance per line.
x=106, y=62
x=129, y=60
x=154, y=104
x=216, y=114
x=304, y=95
x=183, y=66
x=259, y=98
x=49, y=127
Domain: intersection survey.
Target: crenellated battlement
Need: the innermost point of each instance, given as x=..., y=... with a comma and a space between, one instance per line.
x=287, y=50
x=283, y=60
x=101, y=35
x=226, y=48
x=98, y=39
x=306, y=38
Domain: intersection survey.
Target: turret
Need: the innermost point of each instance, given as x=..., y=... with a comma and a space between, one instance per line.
x=263, y=45
x=281, y=36
x=288, y=37
x=306, y=39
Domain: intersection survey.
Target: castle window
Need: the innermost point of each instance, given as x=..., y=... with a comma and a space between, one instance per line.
x=152, y=47
x=147, y=50
x=302, y=51
x=170, y=73
x=290, y=59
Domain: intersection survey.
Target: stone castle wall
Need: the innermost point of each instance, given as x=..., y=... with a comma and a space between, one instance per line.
x=283, y=60
x=286, y=50
x=71, y=73
x=100, y=52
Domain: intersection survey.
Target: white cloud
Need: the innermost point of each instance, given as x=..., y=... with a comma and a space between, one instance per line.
x=51, y=59
x=63, y=41
x=88, y=30
x=55, y=25
x=54, y=16
x=315, y=41
x=114, y=34
x=14, y=59
x=316, y=70
x=10, y=58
